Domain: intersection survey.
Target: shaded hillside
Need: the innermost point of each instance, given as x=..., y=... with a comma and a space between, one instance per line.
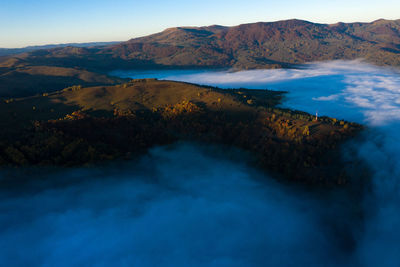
x=25, y=80
x=77, y=126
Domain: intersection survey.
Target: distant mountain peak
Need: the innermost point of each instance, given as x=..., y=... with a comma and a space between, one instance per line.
x=380, y=20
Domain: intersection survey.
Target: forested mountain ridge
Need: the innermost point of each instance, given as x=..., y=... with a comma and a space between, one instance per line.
x=272, y=44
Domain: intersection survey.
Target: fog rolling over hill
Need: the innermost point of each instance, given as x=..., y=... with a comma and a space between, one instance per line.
x=99, y=169
x=180, y=205
x=354, y=91
x=189, y=204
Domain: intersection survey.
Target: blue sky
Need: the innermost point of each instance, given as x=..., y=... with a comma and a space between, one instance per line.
x=33, y=22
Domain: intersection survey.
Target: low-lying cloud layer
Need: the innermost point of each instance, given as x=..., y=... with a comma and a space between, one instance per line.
x=355, y=91
x=187, y=205
x=379, y=244
x=178, y=206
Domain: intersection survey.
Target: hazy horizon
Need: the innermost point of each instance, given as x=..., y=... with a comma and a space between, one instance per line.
x=30, y=23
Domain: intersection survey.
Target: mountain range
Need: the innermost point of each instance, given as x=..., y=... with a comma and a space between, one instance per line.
x=248, y=46
x=260, y=45
x=14, y=51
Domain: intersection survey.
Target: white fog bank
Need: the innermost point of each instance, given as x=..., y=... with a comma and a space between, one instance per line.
x=351, y=90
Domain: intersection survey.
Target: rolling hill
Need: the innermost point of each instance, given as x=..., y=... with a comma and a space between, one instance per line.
x=31, y=80
x=78, y=126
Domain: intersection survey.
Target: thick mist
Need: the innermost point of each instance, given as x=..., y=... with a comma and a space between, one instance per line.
x=355, y=91
x=196, y=205
x=351, y=90
x=181, y=205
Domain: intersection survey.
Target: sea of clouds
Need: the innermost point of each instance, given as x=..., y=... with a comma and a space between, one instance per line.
x=181, y=205
x=355, y=91
x=352, y=90
x=191, y=205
